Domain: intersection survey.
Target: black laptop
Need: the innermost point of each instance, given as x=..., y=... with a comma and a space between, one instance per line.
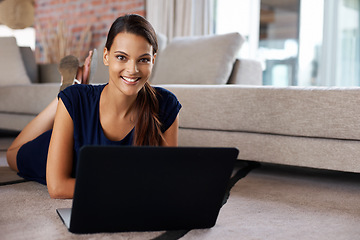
x=148, y=188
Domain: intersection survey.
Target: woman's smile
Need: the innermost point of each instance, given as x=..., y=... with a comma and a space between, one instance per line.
x=130, y=80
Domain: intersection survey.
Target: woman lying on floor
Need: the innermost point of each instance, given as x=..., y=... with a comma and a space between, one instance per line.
x=125, y=111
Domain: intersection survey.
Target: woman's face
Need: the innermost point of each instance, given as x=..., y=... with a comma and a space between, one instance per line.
x=130, y=60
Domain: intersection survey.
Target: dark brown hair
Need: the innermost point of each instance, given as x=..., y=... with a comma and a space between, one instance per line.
x=147, y=126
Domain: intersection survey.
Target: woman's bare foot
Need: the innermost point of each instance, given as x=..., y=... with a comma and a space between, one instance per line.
x=72, y=73
x=68, y=68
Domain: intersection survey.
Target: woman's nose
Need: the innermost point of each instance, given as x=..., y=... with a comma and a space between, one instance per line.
x=132, y=67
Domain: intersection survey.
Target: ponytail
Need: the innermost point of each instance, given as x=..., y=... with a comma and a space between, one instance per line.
x=147, y=126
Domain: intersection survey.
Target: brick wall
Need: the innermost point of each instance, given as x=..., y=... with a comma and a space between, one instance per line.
x=74, y=18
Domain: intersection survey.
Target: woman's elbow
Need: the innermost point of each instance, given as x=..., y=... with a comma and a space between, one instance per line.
x=55, y=192
x=54, y=195
x=60, y=191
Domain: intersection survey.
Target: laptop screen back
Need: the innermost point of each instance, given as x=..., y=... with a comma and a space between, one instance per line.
x=149, y=188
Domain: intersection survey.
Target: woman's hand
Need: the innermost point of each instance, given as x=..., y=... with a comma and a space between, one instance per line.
x=60, y=156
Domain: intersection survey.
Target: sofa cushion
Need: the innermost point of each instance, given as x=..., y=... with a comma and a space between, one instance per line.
x=198, y=60
x=246, y=72
x=27, y=98
x=30, y=65
x=11, y=64
x=101, y=74
x=321, y=112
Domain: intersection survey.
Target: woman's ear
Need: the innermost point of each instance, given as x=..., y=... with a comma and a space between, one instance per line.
x=153, y=60
x=106, y=57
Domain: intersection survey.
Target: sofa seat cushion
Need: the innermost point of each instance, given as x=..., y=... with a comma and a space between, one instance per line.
x=197, y=60
x=27, y=99
x=331, y=154
x=12, y=68
x=293, y=111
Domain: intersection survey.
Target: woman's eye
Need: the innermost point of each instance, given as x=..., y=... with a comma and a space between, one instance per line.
x=145, y=60
x=120, y=57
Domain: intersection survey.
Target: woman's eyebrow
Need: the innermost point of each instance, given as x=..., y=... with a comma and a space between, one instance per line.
x=144, y=55
x=121, y=52
x=124, y=53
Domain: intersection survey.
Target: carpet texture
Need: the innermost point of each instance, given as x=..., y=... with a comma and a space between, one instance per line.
x=27, y=211
x=289, y=203
x=269, y=202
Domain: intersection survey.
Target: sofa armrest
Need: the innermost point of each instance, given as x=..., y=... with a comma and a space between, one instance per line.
x=29, y=61
x=246, y=72
x=49, y=73
x=39, y=73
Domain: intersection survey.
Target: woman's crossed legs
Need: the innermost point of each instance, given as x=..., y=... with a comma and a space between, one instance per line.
x=42, y=122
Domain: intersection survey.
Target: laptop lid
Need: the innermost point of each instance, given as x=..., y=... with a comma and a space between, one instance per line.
x=149, y=188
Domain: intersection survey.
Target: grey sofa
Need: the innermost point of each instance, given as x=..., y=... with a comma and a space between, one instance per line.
x=226, y=106
x=21, y=101
x=307, y=127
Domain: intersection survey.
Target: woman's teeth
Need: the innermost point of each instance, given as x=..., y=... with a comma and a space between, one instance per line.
x=130, y=79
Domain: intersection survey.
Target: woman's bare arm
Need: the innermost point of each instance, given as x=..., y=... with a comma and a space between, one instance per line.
x=171, y=134
x=60, y=156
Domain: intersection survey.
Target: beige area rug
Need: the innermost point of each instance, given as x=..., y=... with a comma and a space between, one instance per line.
x=272, y=202
x=27, y=212
x=289, y=203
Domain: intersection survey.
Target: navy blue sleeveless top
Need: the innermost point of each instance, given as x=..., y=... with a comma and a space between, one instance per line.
x=82, y=103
